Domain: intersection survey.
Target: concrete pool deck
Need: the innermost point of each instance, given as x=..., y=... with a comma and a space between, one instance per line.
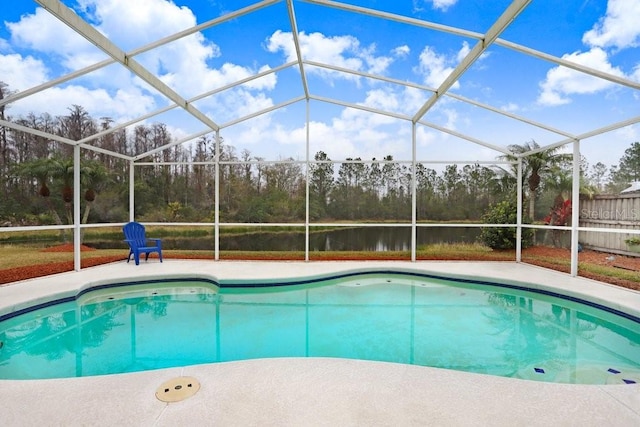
x=315, y=391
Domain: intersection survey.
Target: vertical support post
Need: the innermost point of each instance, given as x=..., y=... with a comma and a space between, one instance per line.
x=77, y=241
x=216, y=207
x=575, y=208
x=132, y=194
x=414, y=196
x=519, y=213
x=307, y=198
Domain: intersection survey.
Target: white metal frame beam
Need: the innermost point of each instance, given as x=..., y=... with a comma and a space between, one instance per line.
x=575, y=207
x=296, y=43
x=483, y=42
x=449, y=94
x=491, y=35
x=569, y=64
x=52, y=5
x=397, y=18
x=71, y=19
x=206, y=131
x=62, y=139
x=407, y=118
x=78, y=73
x=583, y=136
x=194, y=99
x=502, y=21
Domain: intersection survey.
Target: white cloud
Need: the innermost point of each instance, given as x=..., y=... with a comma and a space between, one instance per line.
x=332, y=140
x=199, y=78
x=464, y=51
x=351, y=133
x=618, y=28
x=510, y=107
x=340, y=51
x=628, y=133
x=21, y=73
x=452, y=118
x=376, y=64
x=243, y=102
x=425, y=136
x=636, y=73
x=382, y=99
x=404, y=101
x=99, y=102
x=357, y=133
x=138, y=22
x=43, y=33
x=182, y=64
x=253, y=134
x=435, y=67
x=401, y=51
x=561, y=82
x=443, y=5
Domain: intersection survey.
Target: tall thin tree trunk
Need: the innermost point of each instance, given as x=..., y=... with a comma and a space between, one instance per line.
x=56, y=218
x=87, y=209
x=532, y=205
x=54, y=213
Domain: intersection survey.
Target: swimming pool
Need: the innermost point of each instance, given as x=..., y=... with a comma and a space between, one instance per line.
x=389, y=316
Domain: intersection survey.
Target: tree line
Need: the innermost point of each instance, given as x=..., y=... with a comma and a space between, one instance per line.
x=36, y=178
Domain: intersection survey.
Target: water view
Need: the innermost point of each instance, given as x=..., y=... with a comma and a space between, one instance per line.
x=374, y=239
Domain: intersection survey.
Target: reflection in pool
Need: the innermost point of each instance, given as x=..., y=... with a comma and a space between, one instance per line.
x=394, y=316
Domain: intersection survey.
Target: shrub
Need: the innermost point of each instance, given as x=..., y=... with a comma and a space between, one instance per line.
x=504, y=212
x=632, y=241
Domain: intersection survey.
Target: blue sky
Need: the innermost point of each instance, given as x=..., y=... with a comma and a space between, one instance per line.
x=604, y=35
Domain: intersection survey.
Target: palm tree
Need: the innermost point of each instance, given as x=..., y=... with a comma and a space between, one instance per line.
x=40, y=169
x=93, y=176
x=63, y=169
x=560, y=180
x=535, y=166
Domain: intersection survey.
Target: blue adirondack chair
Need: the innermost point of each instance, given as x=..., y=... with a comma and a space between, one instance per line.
x=135, y=236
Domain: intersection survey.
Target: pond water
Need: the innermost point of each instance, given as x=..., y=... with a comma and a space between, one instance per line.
x=346, y=239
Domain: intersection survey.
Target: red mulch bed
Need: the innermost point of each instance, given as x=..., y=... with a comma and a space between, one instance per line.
x=15, y=274
x=622, y=262
x=535, y=255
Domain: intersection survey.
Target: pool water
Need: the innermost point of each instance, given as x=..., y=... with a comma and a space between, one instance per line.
x=402, y=318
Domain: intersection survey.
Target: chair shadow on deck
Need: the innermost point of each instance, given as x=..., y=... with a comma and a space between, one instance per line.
x=135, y=236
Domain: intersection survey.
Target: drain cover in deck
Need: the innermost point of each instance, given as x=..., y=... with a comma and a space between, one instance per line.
x=177, y=389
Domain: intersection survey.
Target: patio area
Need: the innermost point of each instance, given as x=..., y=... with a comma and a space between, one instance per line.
x=315, y=391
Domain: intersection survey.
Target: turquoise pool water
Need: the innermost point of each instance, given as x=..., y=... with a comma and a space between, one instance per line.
x=393, y=317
